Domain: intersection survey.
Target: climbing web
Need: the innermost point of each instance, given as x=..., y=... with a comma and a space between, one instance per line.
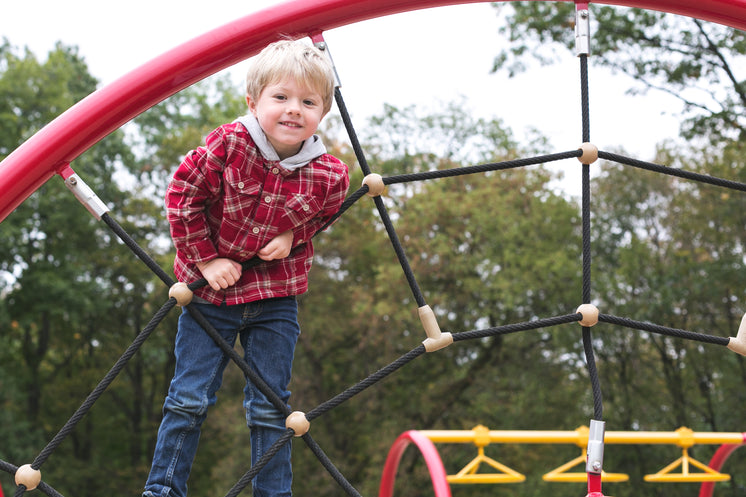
x=29, y=476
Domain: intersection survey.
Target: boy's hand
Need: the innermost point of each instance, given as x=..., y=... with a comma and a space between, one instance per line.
x=220, y=273
x=277, y=248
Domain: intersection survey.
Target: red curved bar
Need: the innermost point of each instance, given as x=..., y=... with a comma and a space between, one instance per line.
x=432, y=459
x=80, y=127
x=716, y=463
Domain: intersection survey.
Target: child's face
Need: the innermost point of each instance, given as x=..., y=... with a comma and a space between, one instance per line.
x=289, y=113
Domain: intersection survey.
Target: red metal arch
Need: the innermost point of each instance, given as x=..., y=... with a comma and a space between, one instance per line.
x=50, y=150
x=716, y=463
x=432, y=459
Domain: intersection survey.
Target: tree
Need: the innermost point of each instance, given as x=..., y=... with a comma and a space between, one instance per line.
x=694, y=61
x=73, y=296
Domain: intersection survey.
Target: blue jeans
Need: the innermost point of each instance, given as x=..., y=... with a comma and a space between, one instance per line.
x=268, y=330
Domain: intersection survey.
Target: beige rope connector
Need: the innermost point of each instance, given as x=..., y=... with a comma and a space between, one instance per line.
x=590, y=314
x=435, y=339
x=28, y=477
x=298, y=422
x=375, y=184
x=181, y=292
x=738, y=343
x=590, y=153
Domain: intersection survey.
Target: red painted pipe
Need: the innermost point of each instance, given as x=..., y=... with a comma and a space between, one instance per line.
x=432, y=459
x=105, y=110
x=716, y=463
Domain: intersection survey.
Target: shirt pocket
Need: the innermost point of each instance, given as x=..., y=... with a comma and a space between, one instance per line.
x=300, y=208
x=241, y=195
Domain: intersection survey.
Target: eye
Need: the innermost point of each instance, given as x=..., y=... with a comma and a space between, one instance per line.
x=309, y=102
x=280, y=96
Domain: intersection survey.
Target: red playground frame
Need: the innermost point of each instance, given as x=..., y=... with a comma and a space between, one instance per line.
x=52, y=149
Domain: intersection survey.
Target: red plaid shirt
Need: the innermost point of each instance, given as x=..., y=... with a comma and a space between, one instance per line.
x=227, y=200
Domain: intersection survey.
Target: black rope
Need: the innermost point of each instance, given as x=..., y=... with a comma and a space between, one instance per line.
x=399, y=250
x=419, y=350
x=367, y=382
x=136, y=249
x=244, y=481
x=598, y=404
x=43, y=487
x=104, y=384
x=662, y=330
x=584, y=98
x=393, y=237
x=349, y=201
x=586, y=229
x=351, y=132
x=482, y=168
x=586, y=213
x=672, y=171
x=329, y=466
x=514, y=328
x=229, y=351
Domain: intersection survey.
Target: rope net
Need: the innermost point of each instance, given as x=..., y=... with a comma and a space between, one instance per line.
x=28, y=477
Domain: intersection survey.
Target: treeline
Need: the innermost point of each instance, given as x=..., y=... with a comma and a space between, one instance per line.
x=487, y=250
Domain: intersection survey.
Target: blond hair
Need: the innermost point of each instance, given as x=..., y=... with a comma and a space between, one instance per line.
x=292, y=59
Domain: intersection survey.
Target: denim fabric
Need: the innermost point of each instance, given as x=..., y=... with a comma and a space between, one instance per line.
x=268, y=330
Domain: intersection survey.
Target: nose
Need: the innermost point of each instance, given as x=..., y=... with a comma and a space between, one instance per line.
x=293, y=106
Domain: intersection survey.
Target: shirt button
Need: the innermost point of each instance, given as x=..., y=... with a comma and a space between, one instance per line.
x=240, y=185
x=268, y=199
x=255, y=230
x=305, y=207
x=275, y=170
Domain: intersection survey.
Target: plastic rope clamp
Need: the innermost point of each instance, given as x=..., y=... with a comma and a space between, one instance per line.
x=435, y=339
x=738, y=343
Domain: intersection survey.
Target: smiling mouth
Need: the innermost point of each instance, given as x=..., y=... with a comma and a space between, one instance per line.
x=290, y=124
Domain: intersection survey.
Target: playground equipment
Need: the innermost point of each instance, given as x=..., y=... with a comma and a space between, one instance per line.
x=53, y=149
x=496, y=472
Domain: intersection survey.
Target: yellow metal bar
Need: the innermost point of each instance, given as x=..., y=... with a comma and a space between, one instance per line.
x=561, y=473
x=580, y=437
x=481, y=436
x=707, y=474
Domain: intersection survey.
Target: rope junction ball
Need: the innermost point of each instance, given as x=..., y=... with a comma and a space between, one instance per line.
x=375, y=185
x=590, y=314
x=590, y=153
x=298, y=422
x=181, y=292
x=28, y=477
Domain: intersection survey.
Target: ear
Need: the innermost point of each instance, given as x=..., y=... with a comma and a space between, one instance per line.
x=252, y=105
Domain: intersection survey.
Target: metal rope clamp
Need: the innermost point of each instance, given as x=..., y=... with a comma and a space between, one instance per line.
x=595, y=451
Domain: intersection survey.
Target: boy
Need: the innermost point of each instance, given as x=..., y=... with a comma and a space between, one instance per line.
x=261, y=186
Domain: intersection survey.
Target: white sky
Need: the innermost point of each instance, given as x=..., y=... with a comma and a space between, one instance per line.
x=422, y=58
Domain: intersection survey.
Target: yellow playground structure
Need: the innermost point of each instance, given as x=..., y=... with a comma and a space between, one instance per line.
x=484, y=469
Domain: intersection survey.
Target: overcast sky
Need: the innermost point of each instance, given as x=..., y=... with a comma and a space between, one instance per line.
x=424, y=57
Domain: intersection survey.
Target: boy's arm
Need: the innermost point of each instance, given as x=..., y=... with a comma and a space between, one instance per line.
x=195, y=183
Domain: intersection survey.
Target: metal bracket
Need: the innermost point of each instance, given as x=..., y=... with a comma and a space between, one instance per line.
x=595, y=452
x=86, y=196
x=318, y=42
x=582, y=32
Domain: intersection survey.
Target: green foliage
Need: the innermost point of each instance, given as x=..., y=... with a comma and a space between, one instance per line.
x=694, y=61
x=487, y=250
